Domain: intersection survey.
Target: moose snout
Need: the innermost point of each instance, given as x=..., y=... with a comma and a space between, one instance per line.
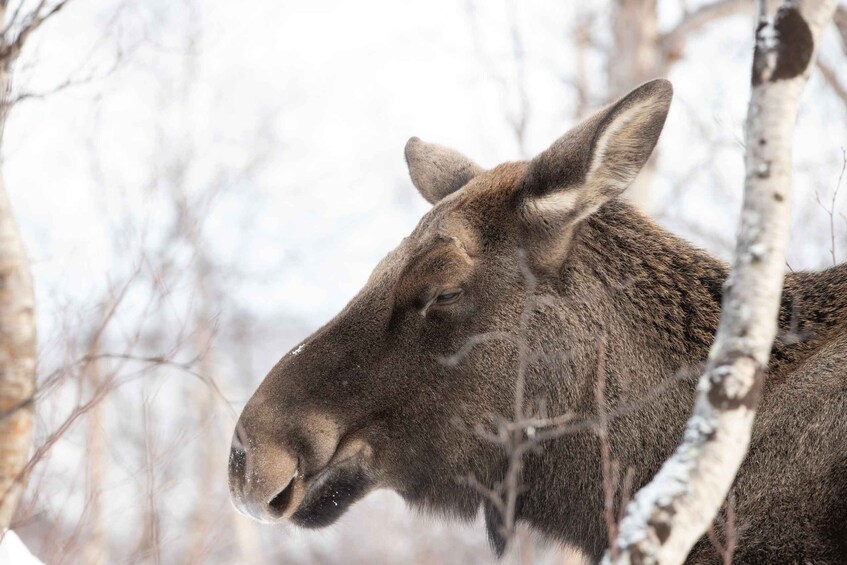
x=265, y=480
x=276, y=451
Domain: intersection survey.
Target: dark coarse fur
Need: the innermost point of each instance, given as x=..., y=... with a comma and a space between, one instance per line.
x=387, y=394
x=791, y=491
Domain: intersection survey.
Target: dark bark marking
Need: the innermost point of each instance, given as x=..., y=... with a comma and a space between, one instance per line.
x=663, y=531
x=720, y=400
x=796, y=44
x=794, y=48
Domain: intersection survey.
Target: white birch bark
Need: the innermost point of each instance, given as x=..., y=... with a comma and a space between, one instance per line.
x=667, y=517
x=17, y=361
x=17, y=342
x=17, y=301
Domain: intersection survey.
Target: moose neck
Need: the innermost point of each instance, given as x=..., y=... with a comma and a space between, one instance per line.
x=653, y=301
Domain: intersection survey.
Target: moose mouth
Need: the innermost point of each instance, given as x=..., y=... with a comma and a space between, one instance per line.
x=333, y=491
x=319, y=499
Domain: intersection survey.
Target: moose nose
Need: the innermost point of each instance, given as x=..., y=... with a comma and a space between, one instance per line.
x=265, y=482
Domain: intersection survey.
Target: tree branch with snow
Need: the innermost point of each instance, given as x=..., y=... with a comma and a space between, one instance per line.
x=667, y=517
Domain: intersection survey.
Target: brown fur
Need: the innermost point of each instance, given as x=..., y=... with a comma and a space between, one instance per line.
x=369, y=402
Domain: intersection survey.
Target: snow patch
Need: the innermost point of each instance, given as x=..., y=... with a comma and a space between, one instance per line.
x=13, y=550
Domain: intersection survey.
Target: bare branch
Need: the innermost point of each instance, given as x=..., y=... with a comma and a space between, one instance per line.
x=840, y=20
x=609, y=466
x=831, y=79
x=830, y=210
x=34, y=20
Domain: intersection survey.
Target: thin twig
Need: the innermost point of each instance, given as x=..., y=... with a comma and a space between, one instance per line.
x=831, y=209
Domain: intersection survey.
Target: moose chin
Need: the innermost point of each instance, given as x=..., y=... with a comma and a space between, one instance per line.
x=507, y=286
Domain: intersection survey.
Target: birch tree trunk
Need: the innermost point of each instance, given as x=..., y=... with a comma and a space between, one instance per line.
x=95, y=551
x=17, y=301
x=204, y=521
x=635, y=60
x=667, y=517
x=17, y=361
x=17, y=341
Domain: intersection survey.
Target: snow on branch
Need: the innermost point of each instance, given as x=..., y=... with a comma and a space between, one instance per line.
x=667, y=517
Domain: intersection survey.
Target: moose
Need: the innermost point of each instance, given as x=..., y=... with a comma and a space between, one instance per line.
x=392, y=392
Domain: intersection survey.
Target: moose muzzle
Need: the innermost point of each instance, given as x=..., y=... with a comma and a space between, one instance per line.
x=273, y=458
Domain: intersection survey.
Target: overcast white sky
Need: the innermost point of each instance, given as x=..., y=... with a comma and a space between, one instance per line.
x=329, y=91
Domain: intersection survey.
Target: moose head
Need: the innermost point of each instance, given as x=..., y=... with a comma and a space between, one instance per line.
x=384, y=394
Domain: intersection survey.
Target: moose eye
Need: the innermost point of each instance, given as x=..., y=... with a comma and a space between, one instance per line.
x=448, y=297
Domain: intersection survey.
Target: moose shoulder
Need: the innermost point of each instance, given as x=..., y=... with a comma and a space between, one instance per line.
x=509, y=285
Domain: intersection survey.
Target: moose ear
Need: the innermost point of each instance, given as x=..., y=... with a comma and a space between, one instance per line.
x=598, y=159
x=436, y=170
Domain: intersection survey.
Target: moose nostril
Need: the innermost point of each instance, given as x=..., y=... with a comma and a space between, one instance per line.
x=280, y=502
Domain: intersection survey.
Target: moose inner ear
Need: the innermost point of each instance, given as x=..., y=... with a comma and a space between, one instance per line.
x=438, y=171
x=598, y=159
